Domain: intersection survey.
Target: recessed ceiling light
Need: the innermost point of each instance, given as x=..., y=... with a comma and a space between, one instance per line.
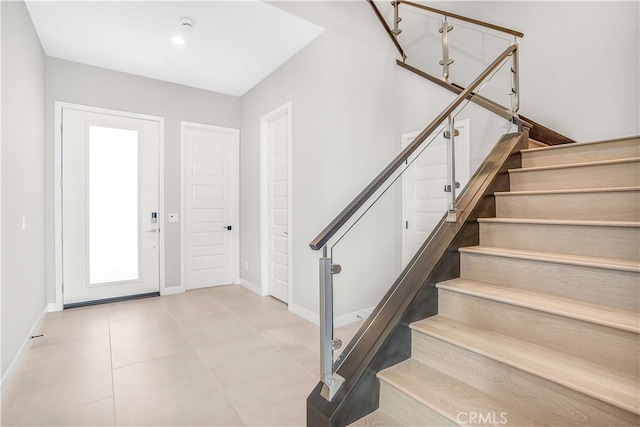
x=177, y=40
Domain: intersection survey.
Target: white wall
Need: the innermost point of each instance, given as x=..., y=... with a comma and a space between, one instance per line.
x=72, y=82
x=23, y=181
x=579, y=62
x=344, y=102
x=351, y=103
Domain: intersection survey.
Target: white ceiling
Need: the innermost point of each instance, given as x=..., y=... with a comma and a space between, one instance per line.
x=232, y=46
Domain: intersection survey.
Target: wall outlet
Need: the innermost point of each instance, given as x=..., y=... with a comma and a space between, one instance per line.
x=246, y=265
x=173, y=217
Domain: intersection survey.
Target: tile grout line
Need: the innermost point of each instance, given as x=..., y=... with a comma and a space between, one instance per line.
x=260, y=333
x=205, y=366
x=113, y=387
x=270, y=340
x=277, y=346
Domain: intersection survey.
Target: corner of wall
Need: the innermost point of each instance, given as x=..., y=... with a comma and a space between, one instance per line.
x=24, y=298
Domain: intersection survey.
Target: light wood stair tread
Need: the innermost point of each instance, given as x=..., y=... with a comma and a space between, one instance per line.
x=564, y=147
x=445, y=394
x=595, y=223
x=536, y=144
x=592, y=313
x=377, y=418
x=587, y=261
x=566, y=191
x=576, y=165
x=601, y=382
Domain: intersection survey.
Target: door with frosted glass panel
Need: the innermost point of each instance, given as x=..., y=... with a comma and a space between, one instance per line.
x=109, y=206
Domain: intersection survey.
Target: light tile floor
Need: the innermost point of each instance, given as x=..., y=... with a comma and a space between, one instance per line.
x=219, y=356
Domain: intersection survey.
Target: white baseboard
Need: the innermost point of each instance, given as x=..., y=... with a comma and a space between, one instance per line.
x=343, y=320
x=355, y=316
x=171, y=290
x=251, y=286
x=54, y=306
x=304, y=313
x=11, y=370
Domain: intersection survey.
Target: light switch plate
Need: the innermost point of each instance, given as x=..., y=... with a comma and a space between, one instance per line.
x=173, y=217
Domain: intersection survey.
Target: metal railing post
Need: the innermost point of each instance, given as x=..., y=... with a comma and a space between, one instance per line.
x=446, y=61
x=450, y=188
x=515, y=84
x=331, y=381
x=396, y=19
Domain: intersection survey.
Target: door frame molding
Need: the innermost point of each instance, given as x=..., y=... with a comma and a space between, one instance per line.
x=57, y=193
x=235, y=198
x=264, y=200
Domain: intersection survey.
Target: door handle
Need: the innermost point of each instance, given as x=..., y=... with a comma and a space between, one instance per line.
x=155, y=230
x=227, y=227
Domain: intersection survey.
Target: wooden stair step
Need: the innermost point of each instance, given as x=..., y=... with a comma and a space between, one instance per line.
x=591, y=313
x=597, y=174
x=597, y=262
x=568, y=276
x=377, y=418
x=582, y=152
x=536, y=144
x=441, y=395
x=600, y=341
x=613, y=204
x=600, y=382
x=615, y=239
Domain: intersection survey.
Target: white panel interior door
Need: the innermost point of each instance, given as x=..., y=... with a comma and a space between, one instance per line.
x=110, y=206
x=210, y=199
x=424, y=200
x=278, y=144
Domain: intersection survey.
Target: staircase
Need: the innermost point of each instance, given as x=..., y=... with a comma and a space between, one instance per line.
x=542, y=327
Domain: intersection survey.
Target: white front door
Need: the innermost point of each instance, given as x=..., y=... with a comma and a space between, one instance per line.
x=109, y=206
x=424, y=201
x=276, y=140
x=210, y=186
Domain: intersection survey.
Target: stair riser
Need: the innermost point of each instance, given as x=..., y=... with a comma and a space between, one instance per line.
x=598, y=241
x=597, y=343
x=560, y=405
x=577, y=153
x=593, y=176
x=610, y=206
x=406, y=410
x=613, y=288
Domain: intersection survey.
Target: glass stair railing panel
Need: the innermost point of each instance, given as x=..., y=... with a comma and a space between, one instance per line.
x=421, y=39
x=472, y=48
x=382, y=239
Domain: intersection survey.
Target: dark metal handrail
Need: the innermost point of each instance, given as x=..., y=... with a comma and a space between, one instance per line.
x=365, y=194
x=486, y=103
x=463, y=18
x=387, y=29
